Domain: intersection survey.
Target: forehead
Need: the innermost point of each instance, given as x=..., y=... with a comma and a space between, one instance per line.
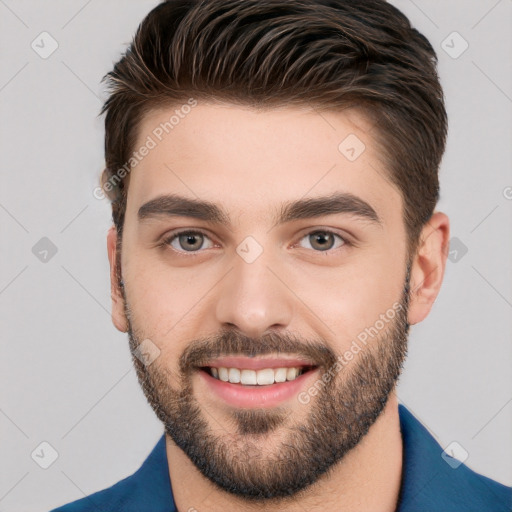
x=239, y=156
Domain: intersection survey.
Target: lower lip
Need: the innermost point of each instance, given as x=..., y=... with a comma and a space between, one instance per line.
x=272, y=395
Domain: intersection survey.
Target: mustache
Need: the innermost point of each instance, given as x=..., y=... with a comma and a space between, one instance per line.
x=234, y=343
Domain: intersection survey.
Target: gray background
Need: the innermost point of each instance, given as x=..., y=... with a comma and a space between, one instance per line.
x=66, y=375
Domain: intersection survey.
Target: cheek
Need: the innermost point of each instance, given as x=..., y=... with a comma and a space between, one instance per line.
x=350, y=298
x=382, y=288
x=165, y=303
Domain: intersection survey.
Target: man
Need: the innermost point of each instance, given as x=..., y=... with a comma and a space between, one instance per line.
x=273, y=171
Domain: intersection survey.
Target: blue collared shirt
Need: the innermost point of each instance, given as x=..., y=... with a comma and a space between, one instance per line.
x=429, y=482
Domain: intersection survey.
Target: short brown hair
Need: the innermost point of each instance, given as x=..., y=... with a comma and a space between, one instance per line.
x=328, y=54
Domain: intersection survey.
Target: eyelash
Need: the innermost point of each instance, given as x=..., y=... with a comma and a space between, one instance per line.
x=166, y=242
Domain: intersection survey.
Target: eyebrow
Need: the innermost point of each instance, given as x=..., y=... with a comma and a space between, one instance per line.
x=172, y=205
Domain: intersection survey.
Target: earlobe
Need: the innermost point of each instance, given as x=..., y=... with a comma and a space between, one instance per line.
x=118, y=306
x=428, y=266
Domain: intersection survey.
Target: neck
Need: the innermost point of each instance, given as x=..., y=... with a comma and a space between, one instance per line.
x=366, y=479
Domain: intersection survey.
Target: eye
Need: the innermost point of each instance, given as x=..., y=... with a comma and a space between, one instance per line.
x=323, y=240
x=191, y=241
x=187, y=241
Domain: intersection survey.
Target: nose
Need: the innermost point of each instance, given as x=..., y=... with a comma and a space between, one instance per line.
x=253, y=299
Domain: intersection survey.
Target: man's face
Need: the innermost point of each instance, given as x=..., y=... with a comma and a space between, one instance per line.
x=263, y=288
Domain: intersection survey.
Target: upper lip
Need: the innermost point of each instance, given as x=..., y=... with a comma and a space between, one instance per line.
x=258, y=363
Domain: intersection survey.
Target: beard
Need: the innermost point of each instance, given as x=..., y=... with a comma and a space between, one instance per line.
x=336, y=419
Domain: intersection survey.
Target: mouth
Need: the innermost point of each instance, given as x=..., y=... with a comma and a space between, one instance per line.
x=263, y=377
x=247, y=382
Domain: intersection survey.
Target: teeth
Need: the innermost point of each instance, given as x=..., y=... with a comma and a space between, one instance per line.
x=234, y=375
x=252, y=377
x=291, y=373
x=280, y=375
x=265, y=377
x=248, y=377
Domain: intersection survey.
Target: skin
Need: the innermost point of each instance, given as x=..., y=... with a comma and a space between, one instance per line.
x=249, y=163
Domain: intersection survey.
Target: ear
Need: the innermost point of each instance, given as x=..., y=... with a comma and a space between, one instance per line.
x=118, y=315
x=428, y=265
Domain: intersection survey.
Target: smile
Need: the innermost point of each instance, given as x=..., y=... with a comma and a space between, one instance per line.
x=256, y=382
x=264, y=377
